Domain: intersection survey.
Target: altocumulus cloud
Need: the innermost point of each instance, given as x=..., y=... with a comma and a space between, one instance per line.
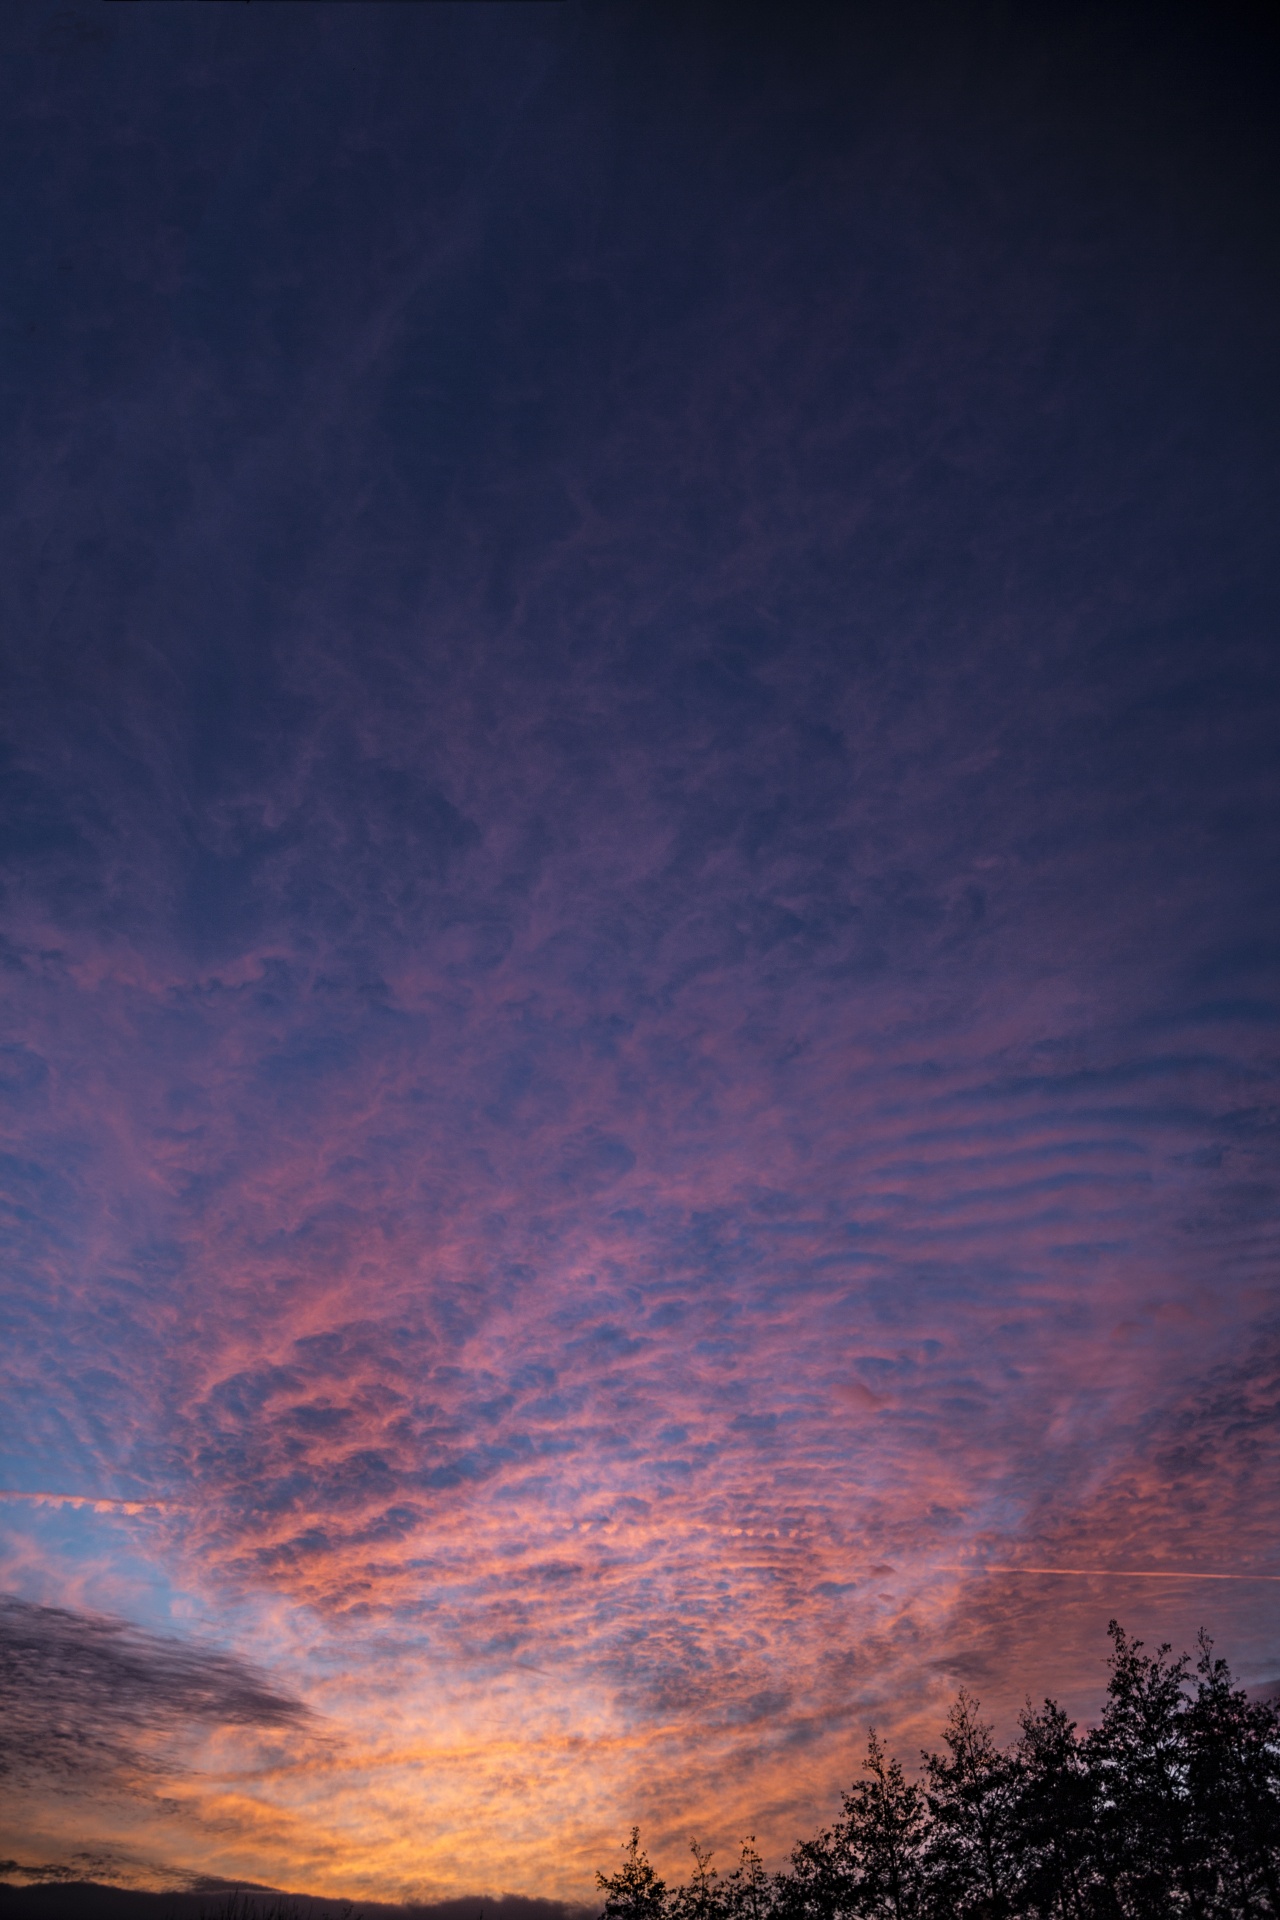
x=640, y=943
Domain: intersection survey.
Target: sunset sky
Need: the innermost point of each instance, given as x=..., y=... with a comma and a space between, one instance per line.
x=639, y=915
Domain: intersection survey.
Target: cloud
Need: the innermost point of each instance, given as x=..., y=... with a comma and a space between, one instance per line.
x=635, y=905
x=85, y=1699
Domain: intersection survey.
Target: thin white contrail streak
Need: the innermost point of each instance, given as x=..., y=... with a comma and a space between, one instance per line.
x=1114, y=1573
x=101, y=1503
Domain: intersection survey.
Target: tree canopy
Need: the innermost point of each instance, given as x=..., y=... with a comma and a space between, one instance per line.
x=1169, y=1807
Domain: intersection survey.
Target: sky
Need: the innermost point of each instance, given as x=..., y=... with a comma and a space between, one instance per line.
x=638, y=908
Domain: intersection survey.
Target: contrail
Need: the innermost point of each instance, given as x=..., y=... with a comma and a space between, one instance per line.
x=1113, y=1573
x=100, y=1503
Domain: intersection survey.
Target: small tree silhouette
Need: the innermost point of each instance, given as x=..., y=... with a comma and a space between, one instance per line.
x=747, y=1893
x=701, y=1898
x=882, y=1835
x=1138, y=1759
x=971, y=1791
x=635, y=1892
x=1053, y=1816
x=1233, y=1787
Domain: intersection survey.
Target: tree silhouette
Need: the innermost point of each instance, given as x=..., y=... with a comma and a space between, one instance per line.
x=1169, y=1809
x=701, y=1898
x=971, y=1790
x=816, y=1887
x=1053, y=1817
x=883, y=1835
x=635, y=1892
x=747, y=1893
x=1138, y=1759
x=1233, y=1789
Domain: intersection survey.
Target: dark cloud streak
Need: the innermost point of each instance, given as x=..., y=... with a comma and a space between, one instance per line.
x=82, y=1697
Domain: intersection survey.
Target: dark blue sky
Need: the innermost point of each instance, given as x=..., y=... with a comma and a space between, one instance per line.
x=638, y=828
